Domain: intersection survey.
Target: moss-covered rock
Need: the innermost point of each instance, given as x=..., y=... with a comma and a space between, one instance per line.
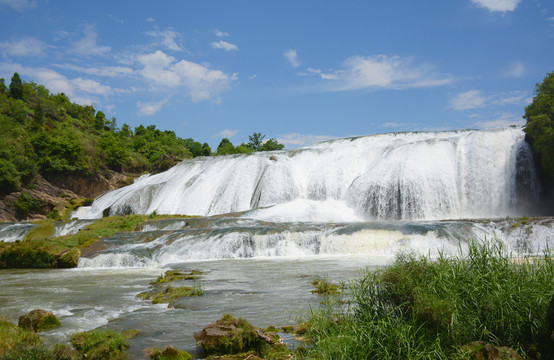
x=69, y=258
x=172, y=275
x=238, y=339
x=100, y=344
x=166, y=353
x=170, y=294
x=39, y=320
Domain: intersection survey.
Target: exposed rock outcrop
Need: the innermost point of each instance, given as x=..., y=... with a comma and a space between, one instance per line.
x=166, y=353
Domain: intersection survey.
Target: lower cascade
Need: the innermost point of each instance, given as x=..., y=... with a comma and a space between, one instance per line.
x=397, y=176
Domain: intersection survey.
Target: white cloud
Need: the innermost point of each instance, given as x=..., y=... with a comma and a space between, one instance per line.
x=395, y=124
x=23, y=47
x=219, y=33
x=299, y=140
x=503, y=120
x=380, y=71
x=151, y=20
x=224, y=45
x=515, y=97
x=516, y=70
x=18, y=4
x=167, y=38
x=225, y=133
x=471, y=99
x=292, y=57
x=497, y=5
x=107, y=71
x=78, y=89
x=87, y=45
x=252, y=77
x=91, y=86
x=150, y=108
x=200, y=82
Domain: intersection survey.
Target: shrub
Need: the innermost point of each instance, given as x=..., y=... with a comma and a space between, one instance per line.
x=100, y=344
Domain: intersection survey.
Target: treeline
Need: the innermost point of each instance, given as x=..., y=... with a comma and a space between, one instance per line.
x=47, y=134
x=540, y=126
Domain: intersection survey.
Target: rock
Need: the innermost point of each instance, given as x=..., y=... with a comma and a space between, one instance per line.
x=39, y=320
x=230, y=336
x=166, y=353
x=479, y=350
x=69, y=258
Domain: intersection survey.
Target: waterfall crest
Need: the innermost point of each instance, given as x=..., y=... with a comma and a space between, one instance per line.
x=397, y=176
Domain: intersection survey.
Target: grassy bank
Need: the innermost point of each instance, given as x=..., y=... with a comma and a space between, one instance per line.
x=422, y=309
x=40, y=250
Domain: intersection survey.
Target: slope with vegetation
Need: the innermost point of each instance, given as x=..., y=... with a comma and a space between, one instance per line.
x=49, y=140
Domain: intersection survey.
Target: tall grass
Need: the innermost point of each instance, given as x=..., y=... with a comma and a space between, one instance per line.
x=419, y=308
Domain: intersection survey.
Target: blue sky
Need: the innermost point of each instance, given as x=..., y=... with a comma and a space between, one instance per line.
x=297, y=71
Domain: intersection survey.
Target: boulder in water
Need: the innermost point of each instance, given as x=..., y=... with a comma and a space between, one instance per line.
x=69, y=258
x=166, y=353
x=39, y=320
x=479, y=350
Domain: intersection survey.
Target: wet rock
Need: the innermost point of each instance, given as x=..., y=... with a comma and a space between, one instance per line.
x=69, y=258
x=166, y=353
x=39, y=320
x=479, y=350
x=231, y=336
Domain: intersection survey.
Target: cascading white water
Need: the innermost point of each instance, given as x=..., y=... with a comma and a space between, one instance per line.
x=400, y=176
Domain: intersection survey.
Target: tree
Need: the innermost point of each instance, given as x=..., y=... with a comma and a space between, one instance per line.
x=99, y=120
x=255, y=141
x=206, y=150
x=540, y=125
x=271, y=145
x=225, y=147
x=16, y=87
x=3, y=87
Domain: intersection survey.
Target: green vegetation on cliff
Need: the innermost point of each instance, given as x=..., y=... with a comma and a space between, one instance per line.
x=47, y=134
x=540, y=125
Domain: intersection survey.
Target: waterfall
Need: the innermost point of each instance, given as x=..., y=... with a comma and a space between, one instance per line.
x=397, y=176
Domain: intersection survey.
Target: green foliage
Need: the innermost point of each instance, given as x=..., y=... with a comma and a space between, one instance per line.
x=324, y=286
x=422, y=309
x=16, y=87
x=256, y=143
x=540, y=125
x=100, y=344
x=169, y=294
x=225, y=147
x=26, y=203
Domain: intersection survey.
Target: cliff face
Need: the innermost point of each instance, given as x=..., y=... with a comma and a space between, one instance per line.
x=54, y=194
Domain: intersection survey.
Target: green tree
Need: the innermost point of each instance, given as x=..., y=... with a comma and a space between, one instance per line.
x=225, y=147
x=255, y=141
x=3, y=87
x=16, y=87
x=271, y=145
x=540, y=125
x=206, y=150
x=99, y=120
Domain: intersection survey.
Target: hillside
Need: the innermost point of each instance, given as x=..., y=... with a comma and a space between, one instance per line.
x=55, y=151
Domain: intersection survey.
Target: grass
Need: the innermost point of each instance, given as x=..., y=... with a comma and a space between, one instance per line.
x=100, y=344
x=172, y=275
x=325, y=287
x=39, y=249
x=169, y=294
x=422, y=309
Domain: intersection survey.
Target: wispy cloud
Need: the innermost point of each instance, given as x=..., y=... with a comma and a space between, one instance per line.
x=381, y=71
x=468, y=100
x=106, y=71
x=294, y=140
x=150, y=108
x=19, y=4
x=292, y=57
x=167, y=38
x=87, y=45
x=505, y=119
x=474, y=99
x=227, y=133
x=23, y=47
x=497, y=5
x=219, y=33
x=516, y=70
x=199, y=81
x=78, y=89
x=224, y=45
